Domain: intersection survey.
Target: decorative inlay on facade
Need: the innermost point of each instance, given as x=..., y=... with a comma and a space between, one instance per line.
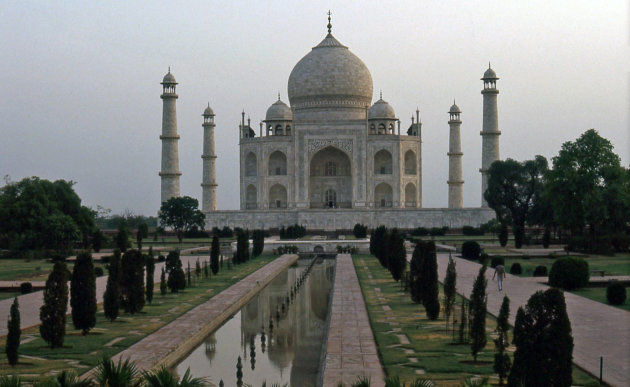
x=316, y=145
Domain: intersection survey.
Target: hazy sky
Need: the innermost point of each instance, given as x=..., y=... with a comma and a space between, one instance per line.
x=81, y=81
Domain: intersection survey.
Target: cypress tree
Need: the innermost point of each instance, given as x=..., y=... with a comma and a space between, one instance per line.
x=14, y=332
x=83, y=293
x=478, y=301
x=463, y=322
x=176, y=276
x=450, y=288
x=259, y=242
x=205, y=269
x=111, y=298
x=189, y=275
x=163, y=282
x=380, y=247
x=214, y=255
x=501, y=359
x=197, y=269
x=53, y=313
x=415, y=273
x=397, y=260
x=542, y=335
x=430, y=283
x=150, y=272
x=132, y=281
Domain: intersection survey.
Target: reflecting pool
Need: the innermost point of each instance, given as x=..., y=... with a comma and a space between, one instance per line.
x=278, y=335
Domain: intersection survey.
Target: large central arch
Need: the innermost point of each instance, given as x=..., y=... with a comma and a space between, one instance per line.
x=330, y=179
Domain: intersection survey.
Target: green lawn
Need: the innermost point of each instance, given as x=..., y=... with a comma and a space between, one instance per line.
x=6, y=295
x=431, y=352
x=81, y=353
x=599, y=294
x=615, y=265
x=30, y=270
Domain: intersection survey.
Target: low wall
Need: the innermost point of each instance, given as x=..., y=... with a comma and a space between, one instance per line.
x=345, y=219
x=319, y=246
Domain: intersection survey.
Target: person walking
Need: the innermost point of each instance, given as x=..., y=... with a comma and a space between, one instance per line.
x=500, y=270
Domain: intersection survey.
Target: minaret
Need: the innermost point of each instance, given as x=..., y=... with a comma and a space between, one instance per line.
x=170, y=158
x=490, y=132
x=209, y=177
x=455, y=182
x=419, y=126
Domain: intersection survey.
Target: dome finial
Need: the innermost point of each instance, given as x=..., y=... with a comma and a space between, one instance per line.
x=278, y=96
x=329, y=25
x=169, y=69
x=381, y=94
x=489, y=65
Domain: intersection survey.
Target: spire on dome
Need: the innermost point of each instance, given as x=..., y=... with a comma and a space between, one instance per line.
x=329, y=25
x=381, y=94
x=278, y=96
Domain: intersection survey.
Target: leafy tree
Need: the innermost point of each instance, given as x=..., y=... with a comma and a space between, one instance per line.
x=415, y=272
x=450, y=288
x=83, y=293
x=503, y=235
x=588, y=188
x=39, y=214
x=150, y=272
x=182, y=214
x=132, y=281
x=397, y=254
x=501, y=359
x=214, y=254
x=122, y=237
x=542, y=335
x=98, y=239
x=512, y=190
x=13, y=334
x=163, y=283
x=569, y=273
x=141, y=233
x=430, y=291
x=478, y=302
x=111, y=297
x=53, y=312
x=176, y=276
x=471, y=250
x=259, y=242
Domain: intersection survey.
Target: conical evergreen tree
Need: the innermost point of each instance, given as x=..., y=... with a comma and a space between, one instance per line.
x=111, y=298
x=214, y=254
x=14, y=333
x=163, y=282
x=132, y=281
x=430, y=282
x=478, y=301
x=415, y=273
x=501, y=359
x=150, y=272
x=83, y=293
x=53, y=313
x=450, y=288
x=397, y=256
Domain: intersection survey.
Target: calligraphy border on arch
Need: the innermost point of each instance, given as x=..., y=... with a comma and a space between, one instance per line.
x=314, y=145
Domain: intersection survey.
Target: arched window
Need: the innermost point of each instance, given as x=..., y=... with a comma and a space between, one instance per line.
x=331, y=198
x=383, y=163
x=269, y=130
x=277, y=196
x=410, y=195
x=250, y=165
x=331, y=169
x=410, y=162
x=383, y=195
x=277, y=164
x=381, y=129
x=372, y=129
x=288, y=130
x=278, y=130
x=391, y=129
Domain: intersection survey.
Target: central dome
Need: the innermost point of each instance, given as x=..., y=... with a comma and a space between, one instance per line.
x=330, y=76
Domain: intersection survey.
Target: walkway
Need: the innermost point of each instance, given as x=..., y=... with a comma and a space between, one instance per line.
x=598, y=329
x=351, y=351
x=173, y=341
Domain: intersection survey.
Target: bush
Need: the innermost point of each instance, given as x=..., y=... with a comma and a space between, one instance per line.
x=540, y=271
x=503, y=235
x=496, y=261
x=98, y=271
x=420, y=231
x=472, y=231
x=292, y=232
x=438, y=231
x=287, y=249
x=615, y=293
x=360, y=231
x=26, y=287
x=347, y=249
x=569, y=273
x=471, y=250
x=516, y=269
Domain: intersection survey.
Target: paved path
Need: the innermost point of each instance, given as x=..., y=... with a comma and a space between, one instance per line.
x=598, y=329
x=175, y=340
x=30, y=303
x=351, y=351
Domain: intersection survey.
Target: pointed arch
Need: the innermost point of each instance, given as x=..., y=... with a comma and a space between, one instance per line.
x=251, y=165
x=410, y=163
x=277, y=164
x=383, y=195
x=277, y=196
x=251, y=197
x=383, y=162
x=410, y=195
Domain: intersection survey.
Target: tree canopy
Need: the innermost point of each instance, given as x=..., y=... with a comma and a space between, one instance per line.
x=39, y=214
x=182, y=214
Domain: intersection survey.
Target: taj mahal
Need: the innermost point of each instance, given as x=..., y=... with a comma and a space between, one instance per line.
x=331, y=158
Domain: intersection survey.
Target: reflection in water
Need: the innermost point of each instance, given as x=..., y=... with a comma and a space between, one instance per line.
x=278, y=335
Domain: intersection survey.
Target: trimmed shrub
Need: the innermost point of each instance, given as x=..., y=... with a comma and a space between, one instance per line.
x=471, y=250
x=472, y=231
x=359, y=231
x=438, y=231
x=420, y=231
x=540, y=271
x=516, y=269
x=615, y=293
x=26, y=287
x=484, y=259
x=496, y=261
x=98, y=271
x=569, y=273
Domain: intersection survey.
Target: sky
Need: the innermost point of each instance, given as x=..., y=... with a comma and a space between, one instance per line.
x=81, y=82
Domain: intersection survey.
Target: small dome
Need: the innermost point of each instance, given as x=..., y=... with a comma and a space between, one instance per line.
x=169, y=78
x=454, y=109
x=489, y=74
x=279, y=111
x=208, y=111
x=381, y=109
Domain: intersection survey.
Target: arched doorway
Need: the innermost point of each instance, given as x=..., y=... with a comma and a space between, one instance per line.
x=383, y=163
x=330, y=179
x=410, y=195
x=383, y=196
x=277, y=164
x=410, y=162
x=277, y=196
